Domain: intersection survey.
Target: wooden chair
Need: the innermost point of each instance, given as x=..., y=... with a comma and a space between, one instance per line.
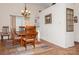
x=21, y=28
x=15, y=37
x=30, y=36
x=5, y=32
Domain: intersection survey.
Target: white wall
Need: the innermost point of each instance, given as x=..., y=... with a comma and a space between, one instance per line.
x=55, y=32
x=73, y=36
x=70, y=35
x=76, y=9
x=7, y=9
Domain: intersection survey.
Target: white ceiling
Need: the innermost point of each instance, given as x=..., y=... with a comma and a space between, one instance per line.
x=46, y=5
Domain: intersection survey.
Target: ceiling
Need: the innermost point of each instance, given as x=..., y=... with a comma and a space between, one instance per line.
x=46, y=5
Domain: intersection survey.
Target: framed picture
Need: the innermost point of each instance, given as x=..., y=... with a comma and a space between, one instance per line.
x=48, y=19
x=75, y=19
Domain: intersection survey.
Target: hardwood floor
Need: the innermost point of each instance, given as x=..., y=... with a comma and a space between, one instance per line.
x=56, y=50
x=52, y=50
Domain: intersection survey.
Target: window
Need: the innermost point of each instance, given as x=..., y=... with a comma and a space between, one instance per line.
x=19, y=22
x=69, y=20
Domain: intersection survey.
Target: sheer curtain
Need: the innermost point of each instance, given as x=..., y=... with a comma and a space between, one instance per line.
x=13, y=22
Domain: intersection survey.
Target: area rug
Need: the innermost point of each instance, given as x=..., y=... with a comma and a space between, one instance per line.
x=17, y=50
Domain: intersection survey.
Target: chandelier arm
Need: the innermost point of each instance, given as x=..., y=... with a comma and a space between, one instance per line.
x=26, y=12
x=25, y=7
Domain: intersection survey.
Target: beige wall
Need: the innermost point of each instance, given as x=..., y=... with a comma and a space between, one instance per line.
x=76, y=32
x=69, y=42
x=55, y=32
x=7, y=9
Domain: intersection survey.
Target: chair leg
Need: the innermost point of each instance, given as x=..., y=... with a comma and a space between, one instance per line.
x=1, y=38
x=8, y=37
x=25, y=45
x=34, y=44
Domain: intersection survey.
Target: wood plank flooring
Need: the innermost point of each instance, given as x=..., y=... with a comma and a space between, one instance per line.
x=56, y=50
x=53, y=50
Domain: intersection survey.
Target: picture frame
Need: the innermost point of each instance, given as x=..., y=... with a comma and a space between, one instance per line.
x=48, y=19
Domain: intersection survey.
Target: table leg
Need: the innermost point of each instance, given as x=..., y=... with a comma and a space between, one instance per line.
x=1, y=38
x=21, y=41
x=8, y=37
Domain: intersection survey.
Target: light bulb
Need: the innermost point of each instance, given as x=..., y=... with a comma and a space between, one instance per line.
x=29, y=12
x=22, y=11
x=26, y=10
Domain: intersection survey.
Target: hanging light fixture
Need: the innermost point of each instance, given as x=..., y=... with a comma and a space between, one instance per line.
x=25, y=12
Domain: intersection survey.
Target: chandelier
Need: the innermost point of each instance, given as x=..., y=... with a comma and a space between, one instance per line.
x=25, y=12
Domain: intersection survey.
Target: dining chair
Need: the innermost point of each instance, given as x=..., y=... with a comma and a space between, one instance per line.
x=21, y=28
x=15, y=38
x=30, y=36
x=5, y=32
